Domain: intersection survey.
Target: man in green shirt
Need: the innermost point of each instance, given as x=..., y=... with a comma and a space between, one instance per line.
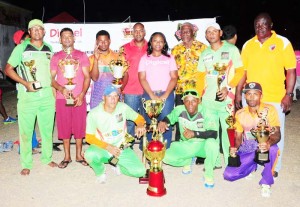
x=35, y=96
x=198, y=135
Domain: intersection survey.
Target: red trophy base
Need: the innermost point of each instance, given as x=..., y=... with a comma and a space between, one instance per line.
x=145, y=178
x=156, y=184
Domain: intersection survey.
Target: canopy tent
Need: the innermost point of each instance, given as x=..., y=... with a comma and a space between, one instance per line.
x=63, y=17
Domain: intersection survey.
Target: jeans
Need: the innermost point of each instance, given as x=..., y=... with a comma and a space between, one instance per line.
x=134, y=101
x=169, y=106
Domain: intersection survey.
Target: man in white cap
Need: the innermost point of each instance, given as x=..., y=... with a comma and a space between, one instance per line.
x=35, y=96
x=221, y=69
x=106, y=131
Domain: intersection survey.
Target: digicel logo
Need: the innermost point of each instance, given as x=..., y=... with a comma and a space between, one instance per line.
x=55, y=32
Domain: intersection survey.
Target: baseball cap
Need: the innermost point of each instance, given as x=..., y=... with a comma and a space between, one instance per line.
x=252, y=86
x=228, y=32
x=190, y=92
x=35, y=22
x=214, y=25
x=110, y=89
x=18, y=36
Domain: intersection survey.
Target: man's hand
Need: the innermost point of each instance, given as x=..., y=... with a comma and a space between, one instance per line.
x=29, y=86
x=238, y=101
x=79, y=100
x=264, y=147
x=162, y=127
x=187, y=133
x=115, y=151
x=286, y=103
x=140, y=131
x=222, y=94
x=96, y=51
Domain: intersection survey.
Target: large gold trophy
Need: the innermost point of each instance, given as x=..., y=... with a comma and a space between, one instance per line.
x=221, y=69
x=262, y=133
x=125, y=144
x=118, y=68
x=32, y=69
x=69, y=67
x=154, y=150
x=234, y=158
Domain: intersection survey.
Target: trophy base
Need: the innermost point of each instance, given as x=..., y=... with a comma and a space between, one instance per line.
x=218, y=99
x=113, y=161
x=36, y=85
x=234, y=161
x=145, y=178
x=156, y=184
x=261, y=158
x=70, y=102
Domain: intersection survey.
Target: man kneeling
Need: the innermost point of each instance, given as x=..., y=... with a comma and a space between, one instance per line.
x=106, y=129
x=194, y=141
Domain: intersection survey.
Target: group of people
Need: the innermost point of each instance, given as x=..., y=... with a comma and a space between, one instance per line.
x=201, y=81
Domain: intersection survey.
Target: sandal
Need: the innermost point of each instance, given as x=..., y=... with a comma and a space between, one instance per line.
x=83, y=162
x=63, y=164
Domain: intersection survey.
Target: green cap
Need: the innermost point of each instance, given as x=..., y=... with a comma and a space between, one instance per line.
x=190, y=92
x=35, y=22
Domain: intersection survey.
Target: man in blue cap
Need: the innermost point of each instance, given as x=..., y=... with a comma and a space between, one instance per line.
x=106, y=131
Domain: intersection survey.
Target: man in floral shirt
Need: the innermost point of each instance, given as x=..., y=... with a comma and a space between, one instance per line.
x=187, y=55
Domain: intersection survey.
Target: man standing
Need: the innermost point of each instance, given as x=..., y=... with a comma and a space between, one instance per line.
x=256, y=114
x=266, y=58
x=221, y=69
x=198, y=136
x=133, y=90
x=35, y=96
x=107, y=133
x=100, y=70
x=187, y=55
x=70, y=119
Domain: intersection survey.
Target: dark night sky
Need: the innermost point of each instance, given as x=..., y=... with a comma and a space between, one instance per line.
x=240, y=13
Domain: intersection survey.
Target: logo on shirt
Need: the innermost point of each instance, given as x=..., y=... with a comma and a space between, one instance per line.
x=272, y=47
x=119, y=117
x=225, y=55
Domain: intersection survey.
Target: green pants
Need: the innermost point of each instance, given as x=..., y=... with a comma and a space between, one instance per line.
x=34, y=106
x=217, y=110
x=181, y=154
x=129, y=162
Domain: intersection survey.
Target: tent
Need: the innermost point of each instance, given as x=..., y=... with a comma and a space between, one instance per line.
x=63, y=17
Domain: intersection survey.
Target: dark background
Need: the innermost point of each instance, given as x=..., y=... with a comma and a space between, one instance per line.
x=240, y=13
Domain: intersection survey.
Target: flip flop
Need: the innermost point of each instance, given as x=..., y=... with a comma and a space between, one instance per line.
x=83, y=162
x=63, y=164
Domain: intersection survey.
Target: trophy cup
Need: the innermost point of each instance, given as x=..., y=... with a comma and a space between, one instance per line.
x=262, y=133
x=125, y=144
x=233, y=159
x=118, y=68
x=32, y=68
x=69, y=67
x=221, y=69
x=154, y=151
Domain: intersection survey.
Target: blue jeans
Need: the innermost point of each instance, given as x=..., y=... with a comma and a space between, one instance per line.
x=169, y=106
x=134, y=101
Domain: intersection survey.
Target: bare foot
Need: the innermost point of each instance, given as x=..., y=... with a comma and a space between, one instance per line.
x=25, y=172
x=52, y=164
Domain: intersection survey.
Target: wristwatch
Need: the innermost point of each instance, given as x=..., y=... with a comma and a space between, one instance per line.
x=290, y=94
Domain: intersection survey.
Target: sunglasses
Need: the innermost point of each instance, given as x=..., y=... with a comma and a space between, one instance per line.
x=193, y=93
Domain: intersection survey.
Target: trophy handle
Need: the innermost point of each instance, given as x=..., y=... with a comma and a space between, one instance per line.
x=144, y=103
x=164, y=102
x=253, y=132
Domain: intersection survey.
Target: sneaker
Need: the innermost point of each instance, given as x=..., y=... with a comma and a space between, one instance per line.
x=101, y=179
x=116, y=170
x=8, y=146
x=209, y=183
x=265, y=191
x=250, y=176
x=188, y=168
x=9, y=120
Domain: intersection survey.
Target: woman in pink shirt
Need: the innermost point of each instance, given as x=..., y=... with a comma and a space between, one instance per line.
x=158, y=77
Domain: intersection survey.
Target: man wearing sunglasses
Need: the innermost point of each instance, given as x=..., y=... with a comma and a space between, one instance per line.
x=198, y=135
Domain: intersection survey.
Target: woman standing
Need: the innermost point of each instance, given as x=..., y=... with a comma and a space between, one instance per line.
x=158, y=77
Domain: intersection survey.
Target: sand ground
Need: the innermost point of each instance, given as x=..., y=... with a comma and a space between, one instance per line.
x=75, y=185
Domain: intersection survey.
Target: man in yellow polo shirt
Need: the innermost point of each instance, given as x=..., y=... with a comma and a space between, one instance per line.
x=265, y=57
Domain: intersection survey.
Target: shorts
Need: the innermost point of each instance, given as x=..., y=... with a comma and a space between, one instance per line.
x=70, y=120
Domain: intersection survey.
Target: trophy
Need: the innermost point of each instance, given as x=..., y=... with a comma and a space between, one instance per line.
x=262, y=133
x=125, y=144
x=32, y=68
x=221, y=69
x=69, y=67
x=234, y=158
x=118, y=68
x=154, y=151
